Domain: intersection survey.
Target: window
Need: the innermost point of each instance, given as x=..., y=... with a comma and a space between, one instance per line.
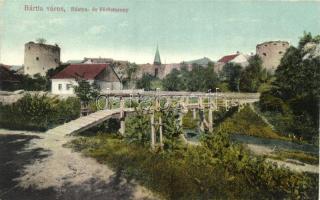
x=280, y=52
x=29, y=48
x=265, y=45
x=69, y=86
x=60, y=86
x=37, y=58
x=56, y=60
x=264, y=54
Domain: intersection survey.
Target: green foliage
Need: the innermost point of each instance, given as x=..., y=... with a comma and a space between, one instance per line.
x=296, y=155
x=145, y=82
x=38, y=112
x=307, y=37
x=171, y=129
x=217, y=170
x=138, y=127
x=86, y=91
x=271, y=103
x=198, y=79
x=253, y=75
x=173, y=81
x=247, y=122
x=231, y=73
x=296, y=86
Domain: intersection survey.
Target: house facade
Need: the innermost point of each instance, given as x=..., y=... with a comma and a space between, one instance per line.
x=237, y=58
x=101, y=74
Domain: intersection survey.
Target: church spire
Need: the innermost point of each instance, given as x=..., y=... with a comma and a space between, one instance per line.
x=157, y=60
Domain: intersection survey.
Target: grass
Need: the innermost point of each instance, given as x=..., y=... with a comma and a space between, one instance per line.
x=246, y=122
x=195, y=172
x=296, y=155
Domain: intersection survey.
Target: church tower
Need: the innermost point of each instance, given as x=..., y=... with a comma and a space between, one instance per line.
x=157, y=60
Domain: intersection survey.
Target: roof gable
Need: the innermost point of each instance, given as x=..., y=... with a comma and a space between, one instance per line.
x=228, y=58
x=85, y=71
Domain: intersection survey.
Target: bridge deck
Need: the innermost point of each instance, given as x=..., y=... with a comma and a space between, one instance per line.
x=86, y=122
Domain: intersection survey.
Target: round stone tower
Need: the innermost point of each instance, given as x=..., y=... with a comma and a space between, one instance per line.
x=39, y=58
x=271, y=53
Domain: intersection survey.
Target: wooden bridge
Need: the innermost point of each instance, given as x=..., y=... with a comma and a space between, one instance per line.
x=86, y=122
x=197, y=102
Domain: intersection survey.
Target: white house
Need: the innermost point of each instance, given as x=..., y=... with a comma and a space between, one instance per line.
x=101, y=74
x=237, y=58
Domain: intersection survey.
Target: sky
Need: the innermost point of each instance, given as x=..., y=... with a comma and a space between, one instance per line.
x=183, y=29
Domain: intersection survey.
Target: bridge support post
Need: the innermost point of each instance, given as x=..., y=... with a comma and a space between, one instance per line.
x=160, y=132
x=201, y=116
x=201, y=113
x=210, y=118
x=194, y=113
x=226, y=105
x=153, y=130
x=122, y=117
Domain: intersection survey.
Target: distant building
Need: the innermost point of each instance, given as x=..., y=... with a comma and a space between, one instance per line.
x=97, y=60
x=202, y=62
x=271, y=53
x=39, y=58
x=237, y=58
x=101, y=74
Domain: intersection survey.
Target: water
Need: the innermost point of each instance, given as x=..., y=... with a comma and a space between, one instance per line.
x=193, y=135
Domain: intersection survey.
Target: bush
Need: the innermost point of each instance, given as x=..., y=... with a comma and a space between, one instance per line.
x=38, y=112
x=247, y=122
x=217, y=170
x=269, y=102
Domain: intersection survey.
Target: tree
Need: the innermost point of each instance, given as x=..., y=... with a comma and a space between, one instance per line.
x=231, y=73
x=252, y=76
x=307, y=37
x=85, y=91
x=145, y=82
x=173, y=82
x=297, y=85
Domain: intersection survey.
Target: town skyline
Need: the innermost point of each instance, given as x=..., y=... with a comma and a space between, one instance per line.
x=181, y=31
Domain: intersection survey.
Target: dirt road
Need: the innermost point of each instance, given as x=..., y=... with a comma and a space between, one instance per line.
x=37, y=166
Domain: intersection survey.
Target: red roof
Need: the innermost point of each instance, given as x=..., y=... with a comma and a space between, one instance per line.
x=85, y=71
x=228, y=58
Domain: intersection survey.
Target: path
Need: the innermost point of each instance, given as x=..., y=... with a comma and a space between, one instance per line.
x=263, y=118
x=52, y=171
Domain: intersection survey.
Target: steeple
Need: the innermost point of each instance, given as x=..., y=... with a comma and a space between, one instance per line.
x=157, y=60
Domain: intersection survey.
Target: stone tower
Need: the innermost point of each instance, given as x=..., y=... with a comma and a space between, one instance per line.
x=39, y=58
x=271, y=53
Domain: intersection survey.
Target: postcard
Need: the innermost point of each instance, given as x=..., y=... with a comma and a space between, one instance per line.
x=172, y=99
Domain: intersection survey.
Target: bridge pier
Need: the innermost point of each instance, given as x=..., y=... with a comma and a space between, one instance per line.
x=160, y=132
x=122, y=117
x=210, y=119
x=194, y=113
x=153, y=131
